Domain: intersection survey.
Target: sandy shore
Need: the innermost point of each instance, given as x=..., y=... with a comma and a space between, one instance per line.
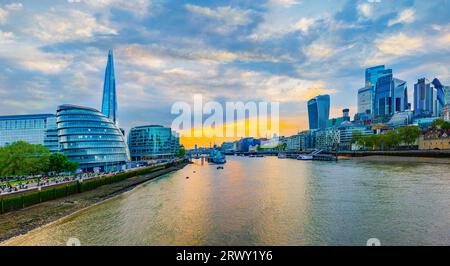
x=23, y=221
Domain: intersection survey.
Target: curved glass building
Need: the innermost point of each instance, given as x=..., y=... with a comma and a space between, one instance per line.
x=318, y=111
x=89, y=137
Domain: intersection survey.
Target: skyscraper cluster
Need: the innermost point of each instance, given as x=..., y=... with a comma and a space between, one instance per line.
x=383, y=104
x=383, y=96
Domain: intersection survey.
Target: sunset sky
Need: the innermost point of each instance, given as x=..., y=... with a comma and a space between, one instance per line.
x=54, y=52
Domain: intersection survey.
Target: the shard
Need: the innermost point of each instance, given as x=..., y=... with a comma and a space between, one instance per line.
x=109, y=103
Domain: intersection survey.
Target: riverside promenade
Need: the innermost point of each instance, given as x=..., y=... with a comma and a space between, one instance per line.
x=24, y=220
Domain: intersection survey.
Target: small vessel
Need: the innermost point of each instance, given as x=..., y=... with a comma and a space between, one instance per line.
x=305, y=157
x=219, y=167
x=260, y=155
x=282, y=156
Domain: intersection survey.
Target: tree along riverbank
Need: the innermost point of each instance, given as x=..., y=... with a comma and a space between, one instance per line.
x=402, y=153
x=24, y=220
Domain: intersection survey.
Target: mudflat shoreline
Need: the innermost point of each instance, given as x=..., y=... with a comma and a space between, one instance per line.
x=22, y=221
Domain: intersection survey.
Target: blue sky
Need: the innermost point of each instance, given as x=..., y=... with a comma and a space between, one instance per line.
x=54, y=52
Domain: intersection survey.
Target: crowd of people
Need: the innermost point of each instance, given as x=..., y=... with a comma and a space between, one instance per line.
x=10, y=185
x=21, y=183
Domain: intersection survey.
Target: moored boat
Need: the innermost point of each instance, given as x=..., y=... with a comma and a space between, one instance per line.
x=305, y=157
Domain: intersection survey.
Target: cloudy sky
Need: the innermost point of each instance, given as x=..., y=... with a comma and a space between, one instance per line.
x=54, y=52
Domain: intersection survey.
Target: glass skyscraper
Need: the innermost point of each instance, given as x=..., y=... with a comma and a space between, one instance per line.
x=34, y=129
x=399, y=96
x=365, y=100
x=109, y=103
x=319, y=111
x=152, y=142
x=373, y=76
x=390, y=94
x=441, y=97
x=425, y=99
x=373, y=73
x=89, y=137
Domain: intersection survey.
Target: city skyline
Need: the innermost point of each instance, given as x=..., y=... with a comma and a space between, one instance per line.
x=237, y=51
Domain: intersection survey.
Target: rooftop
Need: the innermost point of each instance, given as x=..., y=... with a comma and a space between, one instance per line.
x=22, y=117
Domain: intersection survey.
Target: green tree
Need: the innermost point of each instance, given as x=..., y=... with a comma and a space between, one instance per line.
x=281, y=147
x=408, y=134
x=70, y=166
x=437, y=124
x=445, y=125
x=390, y=139
x=356, y=137
x=181, y=152
x=58, y=162
x=22, y=158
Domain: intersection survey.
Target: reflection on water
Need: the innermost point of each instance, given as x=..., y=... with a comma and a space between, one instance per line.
x=268, y=201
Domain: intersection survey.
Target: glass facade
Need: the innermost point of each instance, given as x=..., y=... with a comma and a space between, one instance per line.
x=109, y=103
x=347, y=131
x=301, y=142
x=425, y=99
x=34, y=129
x=152, y=142
x=399, y=96
x=89, y=137
x=391, y=94
x=383, y=98
x=365, y=100
x=447, y=94
x=328, y=139
x=319, y=111
x=440, y=95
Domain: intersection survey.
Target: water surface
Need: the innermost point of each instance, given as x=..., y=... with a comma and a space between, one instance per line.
x=270, y=201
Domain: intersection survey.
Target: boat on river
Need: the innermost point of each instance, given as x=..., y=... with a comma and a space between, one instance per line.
x=282, y=156
x=218, y=157
x=305, y=157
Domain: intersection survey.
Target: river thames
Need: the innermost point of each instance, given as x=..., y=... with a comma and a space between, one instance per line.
x=270, y=201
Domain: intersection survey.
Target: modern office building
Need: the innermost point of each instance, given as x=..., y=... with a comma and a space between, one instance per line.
x=89, y=137
x=365, y=100
x=328, y=139
x=391, y=96
x=447, y=94
x=34, y=129
x=425, y=99
x=319, y=111
x=246, y=144
x=152, y=142
x=51, y=135
x=347, y=131
x=300, y=142
x=227, y=147
x=401, y=119
x=373, y=74
x=440, y=95
x=109, y=102
x=399, y=98
x=445, y=114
